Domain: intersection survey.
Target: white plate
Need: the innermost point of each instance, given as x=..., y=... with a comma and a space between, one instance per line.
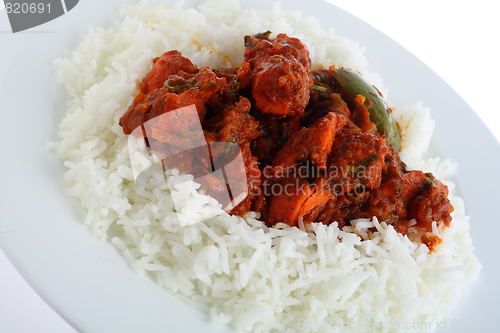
x=88, y=282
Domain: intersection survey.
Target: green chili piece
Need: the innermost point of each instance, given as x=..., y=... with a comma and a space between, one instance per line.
x=353, y=84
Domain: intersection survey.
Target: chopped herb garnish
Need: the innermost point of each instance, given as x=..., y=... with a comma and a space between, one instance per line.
x=263, y=34
x=343, y=151
x=353, y=168
x=368, y=160
x=182, y=88
x=317, y=78
x=429, y=178
x=320, y=88
x=179, y=89
x=230, y=146
x=283, y=137
x=247, y=43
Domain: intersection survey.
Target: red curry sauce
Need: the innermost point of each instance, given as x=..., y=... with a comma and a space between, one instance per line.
x=308, y=154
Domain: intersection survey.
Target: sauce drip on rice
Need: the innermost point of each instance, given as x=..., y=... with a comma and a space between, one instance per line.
x=317, y=145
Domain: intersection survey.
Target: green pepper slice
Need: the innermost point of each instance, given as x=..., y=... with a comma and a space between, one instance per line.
x=353, y=84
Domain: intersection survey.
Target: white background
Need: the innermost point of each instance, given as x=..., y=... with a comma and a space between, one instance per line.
x=457, y=39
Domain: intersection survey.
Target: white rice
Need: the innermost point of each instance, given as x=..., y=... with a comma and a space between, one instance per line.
x=252, y=277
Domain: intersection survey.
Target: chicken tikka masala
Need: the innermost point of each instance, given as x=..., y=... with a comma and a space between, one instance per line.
x=317, y=145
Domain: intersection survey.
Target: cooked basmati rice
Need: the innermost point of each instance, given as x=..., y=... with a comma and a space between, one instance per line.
x=250, y=276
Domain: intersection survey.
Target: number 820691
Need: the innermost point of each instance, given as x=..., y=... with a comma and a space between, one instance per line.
x=474, y=324
x=18, y=8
